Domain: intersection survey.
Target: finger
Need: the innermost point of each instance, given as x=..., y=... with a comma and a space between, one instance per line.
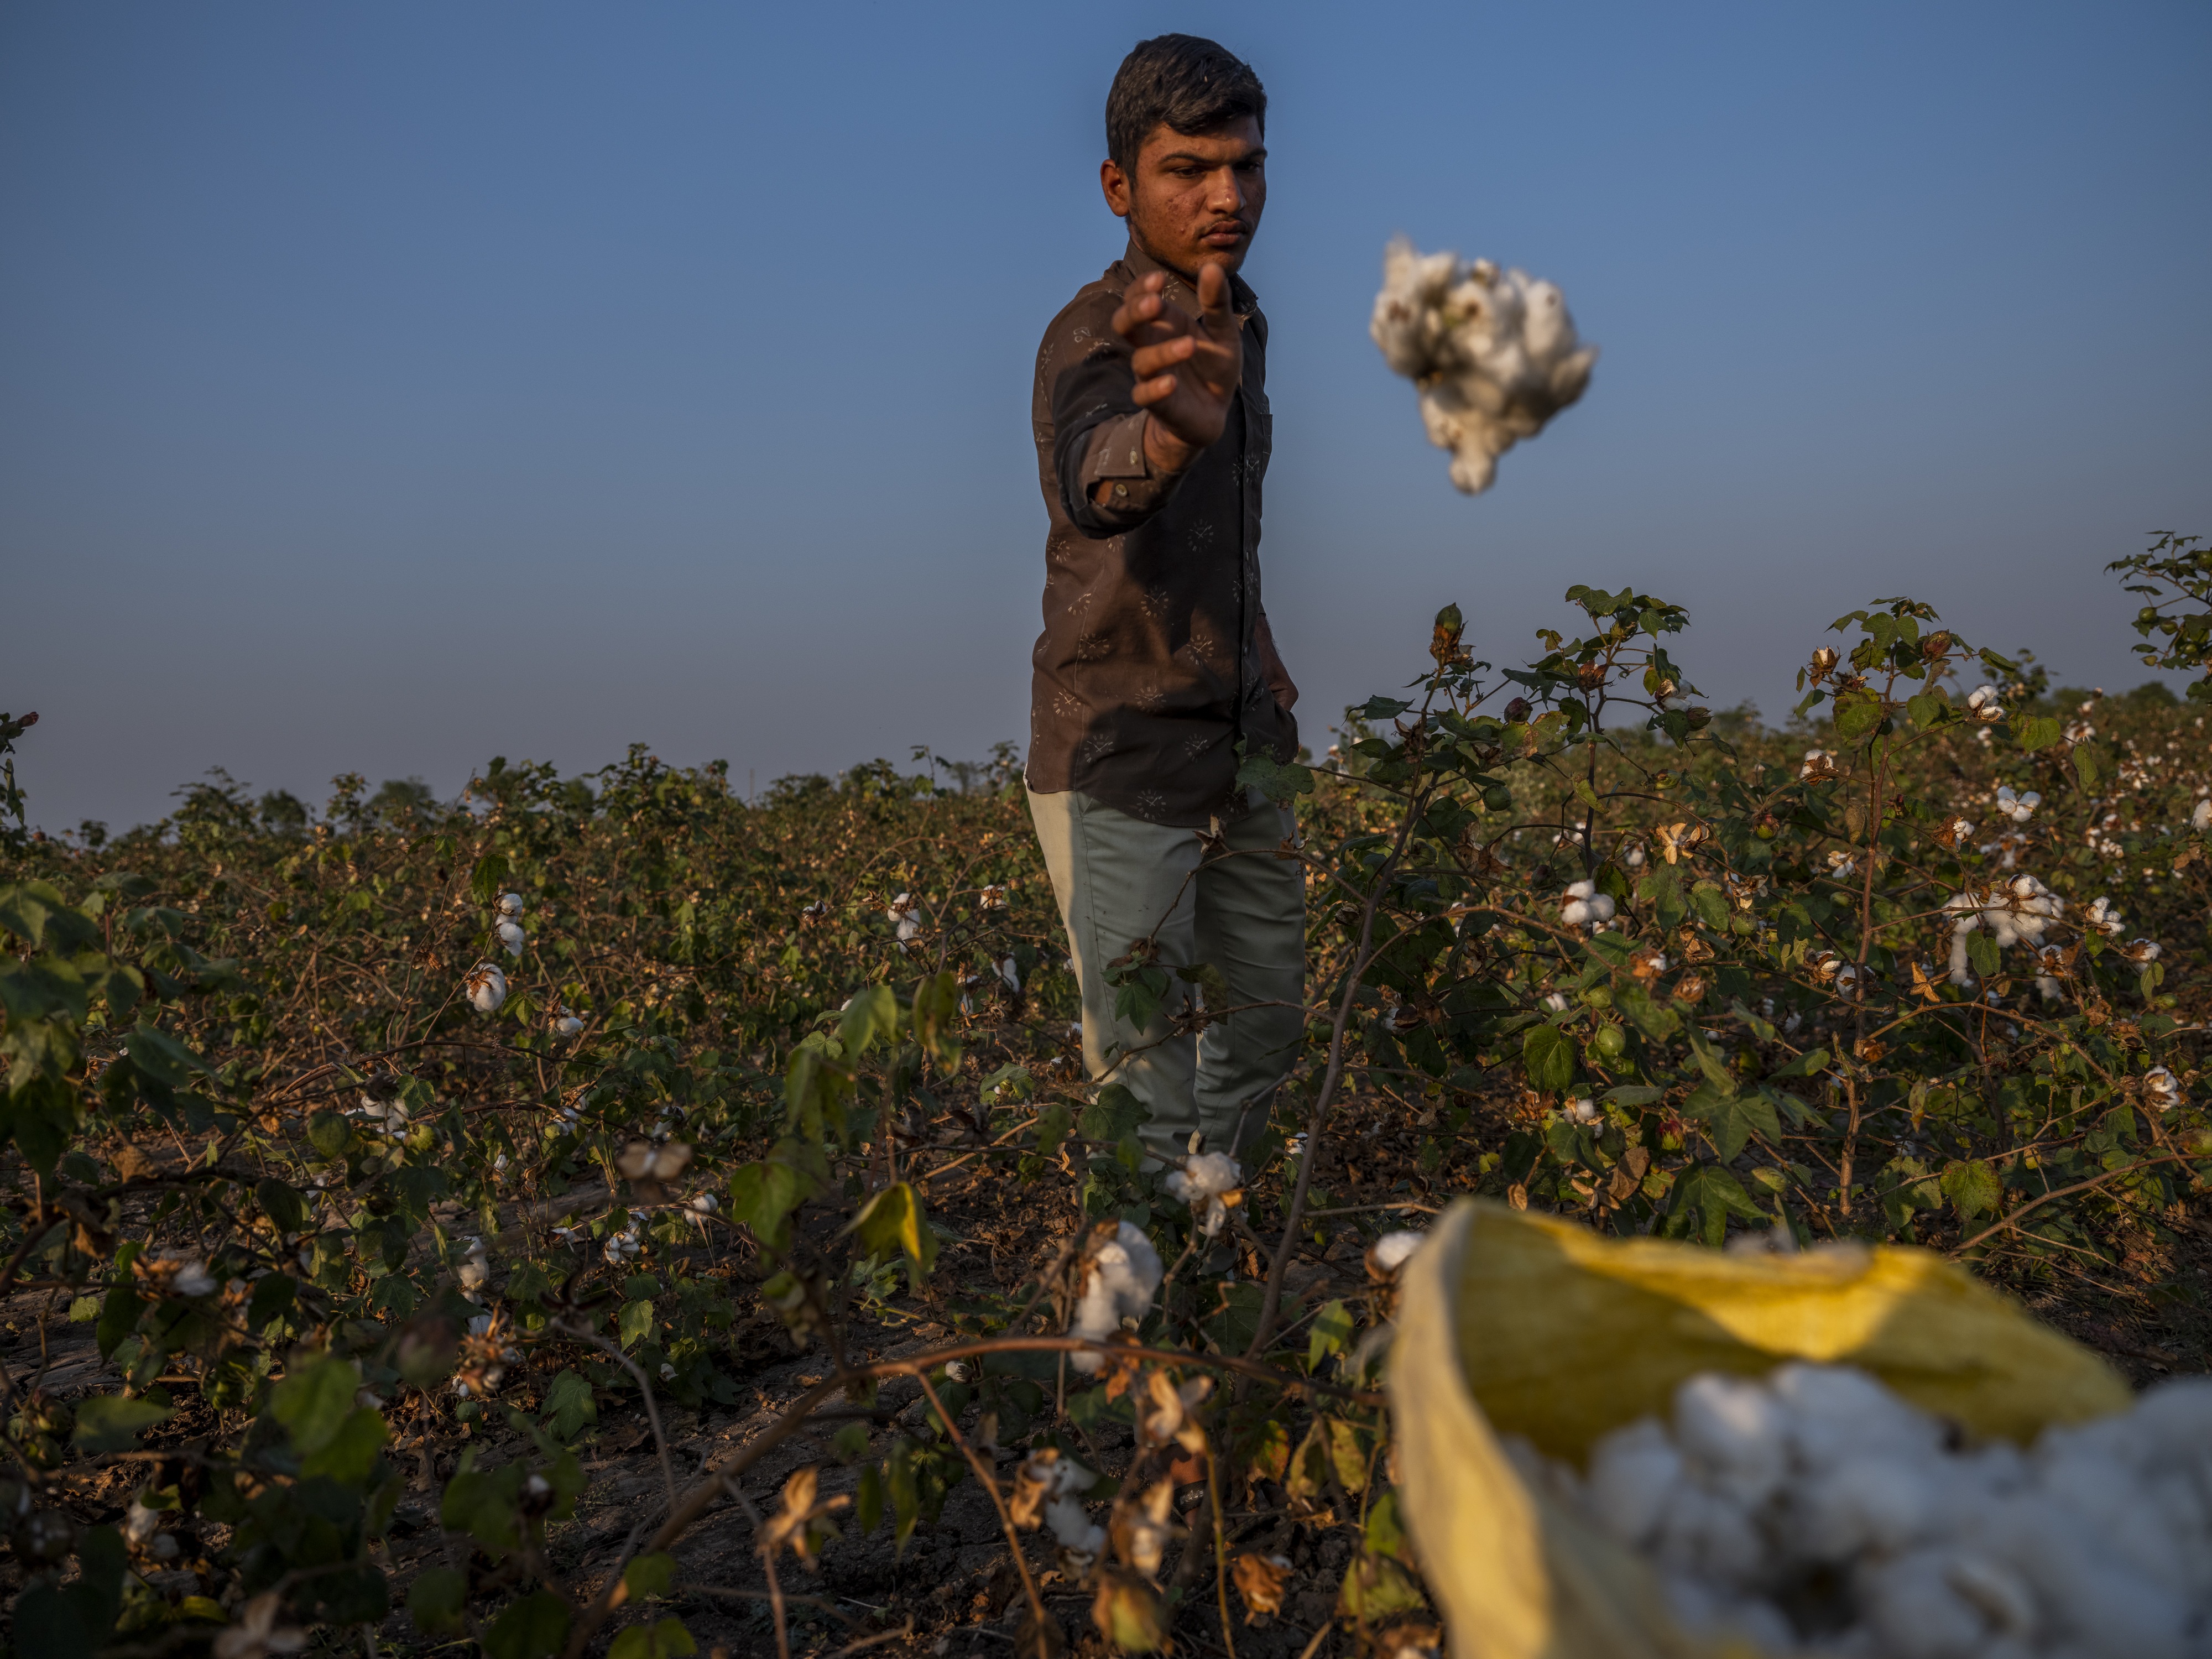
x=1213, y=296
x=1158, y=390
x=1152, y=359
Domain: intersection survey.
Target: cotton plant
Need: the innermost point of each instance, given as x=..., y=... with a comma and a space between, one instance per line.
x=1492, y=353
x=905, y=914
x=1814, y=1511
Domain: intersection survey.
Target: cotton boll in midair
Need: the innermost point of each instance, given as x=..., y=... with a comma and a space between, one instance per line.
x=512, y=936
x=1493, y=353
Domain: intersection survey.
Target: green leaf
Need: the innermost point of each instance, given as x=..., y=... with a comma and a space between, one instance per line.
x=1280, y=783
x=667, y=1639
x=1113, y=1117
x=2035, y=731
x=1548, y=1055
x=761, y=1195
x=535, y=1627
x=1988, y=960
x=649, y=1576
x=1236, y=1318
x=118, y=1317
x=569, y=1407
x=314, y=1400
x=1714, y=1068
x=1377, y=1588
x=893, y=1221
x=350, y=1456
x=872, y=1013
x=1730, y=1119
x=282, y=1205
x=1929, y=708
x=438, y=1600
x=330, y=1133
x=1856, y=714
x=1383, y=709
x=1052, y=1123
x=637, y=1323
x=108, y=1422
x=1974, y=1187
x=1711, y=904
x=1386, y=1529
x=1715, y=1195
x=2089, y=765
x=1332, y=1329
x=162, y=1057
x=488, y=878
x=936, y=1017
x=1808, y=1064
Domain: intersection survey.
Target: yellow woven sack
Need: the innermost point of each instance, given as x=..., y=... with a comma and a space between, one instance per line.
x=1520, y=1324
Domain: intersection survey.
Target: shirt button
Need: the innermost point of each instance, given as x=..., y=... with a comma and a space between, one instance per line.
x=1120, y=490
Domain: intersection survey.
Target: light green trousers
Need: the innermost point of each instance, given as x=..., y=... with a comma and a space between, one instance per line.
x=1119, y=879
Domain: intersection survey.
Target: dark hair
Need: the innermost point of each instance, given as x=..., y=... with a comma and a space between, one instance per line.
x=1183, y=82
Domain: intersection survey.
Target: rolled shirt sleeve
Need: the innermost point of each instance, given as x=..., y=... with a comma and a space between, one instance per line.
x=1099, y=437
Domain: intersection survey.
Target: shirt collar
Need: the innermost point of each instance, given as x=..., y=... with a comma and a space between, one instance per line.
x=1242, y=300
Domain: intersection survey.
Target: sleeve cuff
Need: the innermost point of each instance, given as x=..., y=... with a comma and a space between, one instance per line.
x=1115, y=453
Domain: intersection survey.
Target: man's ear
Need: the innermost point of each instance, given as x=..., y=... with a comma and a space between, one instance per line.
x=1116, y=184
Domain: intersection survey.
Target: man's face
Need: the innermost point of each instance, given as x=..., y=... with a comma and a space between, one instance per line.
x=1195, y=198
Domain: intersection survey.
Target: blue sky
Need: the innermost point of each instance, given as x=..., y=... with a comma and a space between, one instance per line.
x=385, y=388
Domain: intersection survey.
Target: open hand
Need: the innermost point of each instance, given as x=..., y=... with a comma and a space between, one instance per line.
x=1188, y=369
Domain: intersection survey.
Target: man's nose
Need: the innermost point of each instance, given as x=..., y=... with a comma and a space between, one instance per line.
x=1227, y=194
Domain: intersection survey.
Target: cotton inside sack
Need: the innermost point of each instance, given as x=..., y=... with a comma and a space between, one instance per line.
x=1513, y=1324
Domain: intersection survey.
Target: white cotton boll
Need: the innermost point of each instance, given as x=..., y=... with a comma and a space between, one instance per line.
x=1204, y=1176
x=1073, y=1529
x=705, y=1204
x=1633, y=1472
x=1711, y=1535
x=192, y=1278
x=510, y=905
x=2200, y=817
x=479, y=1324
x=566, y=1023
x=1932, y=1604
x=1124, y=1275
x=486, y=987
x=1868, y=1501
x=1837, y=1412
x=1733, y=1434
x=512, y=936
x=1584, y=1111
x=1493, y=353
x=474, y=1271
x=1391, y=1251
x=1984, y=702
x=1009, y=970
x=2106, y=917
x=1582, y=906
x=1557, y=1002
x=1202, y=1182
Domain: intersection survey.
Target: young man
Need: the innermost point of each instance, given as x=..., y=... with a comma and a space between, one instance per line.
x=1155, y=664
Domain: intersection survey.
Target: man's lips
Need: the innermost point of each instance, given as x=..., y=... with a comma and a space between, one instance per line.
x=1231, y=231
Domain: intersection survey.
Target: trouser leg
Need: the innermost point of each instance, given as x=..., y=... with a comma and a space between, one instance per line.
x=1251, y=924
x=1119, y=879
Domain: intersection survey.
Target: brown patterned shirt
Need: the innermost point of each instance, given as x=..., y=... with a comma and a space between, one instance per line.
x=1156, y=658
